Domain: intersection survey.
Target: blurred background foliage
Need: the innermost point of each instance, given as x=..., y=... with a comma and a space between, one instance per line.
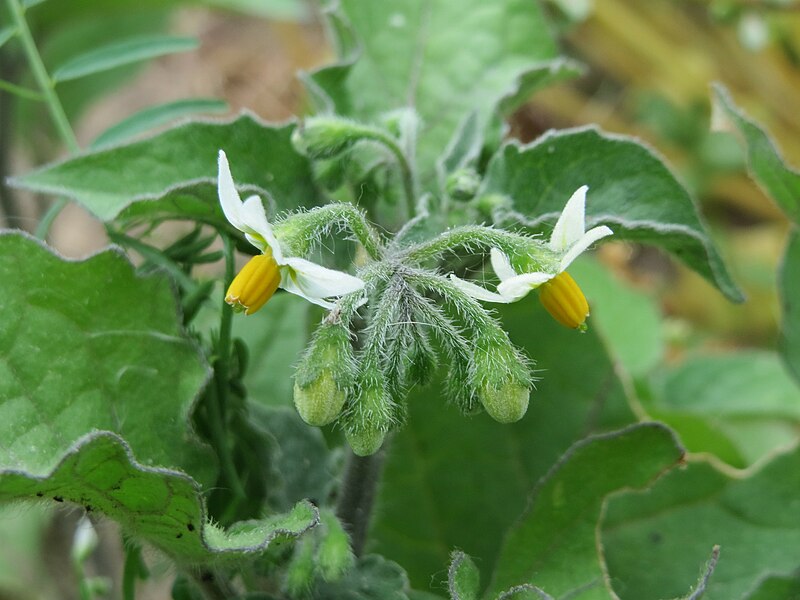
x=648, y=70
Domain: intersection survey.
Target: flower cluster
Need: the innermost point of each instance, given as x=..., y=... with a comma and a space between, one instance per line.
x=362, y=386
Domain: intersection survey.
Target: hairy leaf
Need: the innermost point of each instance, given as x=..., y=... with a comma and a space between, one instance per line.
x=373, y=578
x=765, y=163
x=554, y=544
x=444, y=59
x=630, y=190
x=463, y=578
x=655, y=541
x=173, y=174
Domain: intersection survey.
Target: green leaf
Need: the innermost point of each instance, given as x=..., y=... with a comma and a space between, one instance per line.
x=90, y=346
x=6, y=33
x=764, y=161
x=777, y=588
x=121, y=53
x=471, y=474
x=554, y=545
x=174, y=174
x=91, y=353
x=630, y=190
x=155, y=116
x=747, y=396
x=655, y=540
x=463, y=578
x=159, y=505
x=373, y=578
x=627, y=320
x=444, y=59
x=790, y=301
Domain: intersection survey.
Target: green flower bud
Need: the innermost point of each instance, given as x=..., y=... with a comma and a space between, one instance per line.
x=334, y=556
x=487, y=205
x=327, y=137
x=502, y=379
x=324, y=375
x=371, y=416
x=506, y=404
x=463, y=184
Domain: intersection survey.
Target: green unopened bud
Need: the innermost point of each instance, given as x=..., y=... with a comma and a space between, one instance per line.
x=327, y=137
x=463, y=184
x=324, y=375
x=334, y=556
x=370, y=417
x=488, y=205
x=502, y=379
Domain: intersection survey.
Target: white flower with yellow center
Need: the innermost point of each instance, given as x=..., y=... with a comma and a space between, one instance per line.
x=559, y=293
x=263, y=274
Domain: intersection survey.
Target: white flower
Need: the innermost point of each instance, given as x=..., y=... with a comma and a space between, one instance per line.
x=569, y=240
x=257, y=281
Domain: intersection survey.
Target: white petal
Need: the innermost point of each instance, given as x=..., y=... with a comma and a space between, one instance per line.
x=501, y=265
x=256, y=224
x=228, y=196
x=579, y=247
x=519, y=286
x=316, y=281
x=477, y=292
x=571, y=224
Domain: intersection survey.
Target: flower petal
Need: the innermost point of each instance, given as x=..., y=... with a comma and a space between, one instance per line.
x=256, y=224
x=501, y=265
x=579, y=247
x=228, y=196
x=316, y=281
x=571, y=224
x=477, y=292
x=519, y=286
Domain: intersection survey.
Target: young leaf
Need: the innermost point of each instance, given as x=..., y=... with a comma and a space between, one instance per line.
x=444, y=59
x=479, y=472
x=161, y=506
x=121, y=53
x=654, y=541
x=154, y=116
x=630, y=190
x=790, y=300
x=553, y=545
x=766, y=165
x=174, y=174
x=88, y=346
x=373, y=578
x=463, y=578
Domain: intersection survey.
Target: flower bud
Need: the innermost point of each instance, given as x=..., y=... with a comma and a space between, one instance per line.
x=463, y=184
x=327, y=137
x=565, y=301
x=502, y=379
x=370, y=417
x=324, y=375
x=487, y=205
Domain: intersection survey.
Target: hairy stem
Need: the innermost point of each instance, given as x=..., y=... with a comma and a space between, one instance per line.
x=471, y=237
x=406, y=174
x=361, y=477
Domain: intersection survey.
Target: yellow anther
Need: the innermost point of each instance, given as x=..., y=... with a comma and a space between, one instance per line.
x=255, y=284
x=565, y=301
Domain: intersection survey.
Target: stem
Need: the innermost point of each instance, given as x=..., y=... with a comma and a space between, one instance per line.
x=361, y=477
x=406, y=173
x=212, y=585
x=470, y=237
x=43, y=79
x=218, y=398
